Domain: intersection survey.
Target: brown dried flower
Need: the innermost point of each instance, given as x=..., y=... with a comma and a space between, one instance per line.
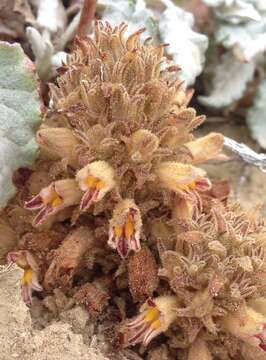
x=68, y=258
x=95, y=295
x=142, y=275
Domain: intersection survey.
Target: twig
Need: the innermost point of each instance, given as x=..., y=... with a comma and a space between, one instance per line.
x=86, y=17
x=246, y=154
x=69, y=33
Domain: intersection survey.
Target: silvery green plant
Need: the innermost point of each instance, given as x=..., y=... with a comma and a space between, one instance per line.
x=19, y=115
x=241, y=29
x=49, y=34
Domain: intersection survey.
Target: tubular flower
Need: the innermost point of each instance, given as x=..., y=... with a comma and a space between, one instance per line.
x=155, y=317
x=96, y=180
x=54, y=198
x=206, y=148
x=29, y=281
x=182, y=179
x=248, y=325
x=59, y=142
x=125, y=227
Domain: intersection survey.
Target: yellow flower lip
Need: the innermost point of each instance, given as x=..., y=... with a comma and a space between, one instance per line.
x=152, y=314
x=129, y=227
x=96, y=180
x=93, y=182
x=155, y=317
x=29, y=280
x=53, y=199
x=27, y=276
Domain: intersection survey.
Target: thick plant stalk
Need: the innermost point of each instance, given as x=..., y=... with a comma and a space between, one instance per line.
x=86, y=17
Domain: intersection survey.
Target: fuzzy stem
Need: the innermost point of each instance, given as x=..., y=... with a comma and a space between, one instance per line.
x=86, y=17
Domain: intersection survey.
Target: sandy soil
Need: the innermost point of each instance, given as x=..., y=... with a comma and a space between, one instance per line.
x=19, y=339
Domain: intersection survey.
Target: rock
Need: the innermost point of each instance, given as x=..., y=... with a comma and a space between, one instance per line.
x=76, y=317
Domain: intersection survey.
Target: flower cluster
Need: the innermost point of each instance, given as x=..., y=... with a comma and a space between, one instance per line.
x=127, y=120
x=118, y=180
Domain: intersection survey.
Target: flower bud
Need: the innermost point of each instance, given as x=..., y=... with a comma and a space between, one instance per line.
x=156, y=315
x=54, y=198
x=205, y=148
x=29, y=281
x=59, y=142
x=125, y=227
x=141, y=145
x=96, y=180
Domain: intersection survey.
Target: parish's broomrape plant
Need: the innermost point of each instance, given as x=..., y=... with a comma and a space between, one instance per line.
x=117, y=143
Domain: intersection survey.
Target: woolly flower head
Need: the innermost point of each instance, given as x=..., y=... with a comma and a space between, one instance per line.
x=126, y=118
